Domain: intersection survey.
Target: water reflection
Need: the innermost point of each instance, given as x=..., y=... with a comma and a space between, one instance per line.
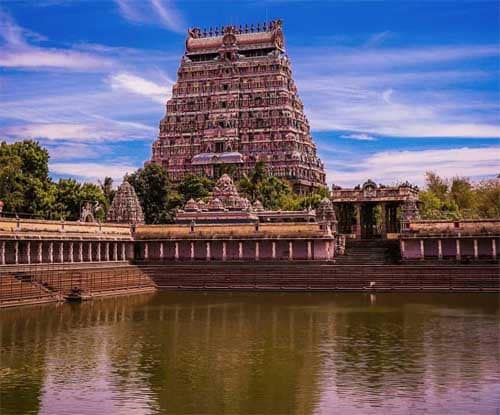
x=254, y=353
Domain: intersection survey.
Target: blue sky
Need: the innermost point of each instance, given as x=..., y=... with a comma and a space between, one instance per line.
x=391, y=88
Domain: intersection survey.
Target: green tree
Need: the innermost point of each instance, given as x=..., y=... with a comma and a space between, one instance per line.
x=487, y=197
x=70, y=197
x=462, y=194
x=195, y=187
x=107, y=188
x=25, y=186
x=436, y=185
x=249, y=183
x=152, y=187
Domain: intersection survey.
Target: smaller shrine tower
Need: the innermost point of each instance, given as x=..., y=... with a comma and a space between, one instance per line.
x=125, y=207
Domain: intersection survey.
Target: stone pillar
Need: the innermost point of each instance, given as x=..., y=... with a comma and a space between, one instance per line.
x=440, y=249
x=476, y=250
x=458, y=254
x=309, y=250
x=422, y=250
x=290, y=250
x=40, y=252
x=176, y=254
x=224, y=250
x=192, y=251
x=403, y=248
x=383, y=216
x=51, y=252
x=2, y=253
x=106, y=252
x=208, y=253
x=493, y=248
x=16, y=252
x=80, y=251
x=71, y=258
x=90, y=251
x=358, y=220
x=257, y=250
x=61, y=251
x=146, y=250
x=99, y=254
x=115, y=251
x=240, y=250
x=162, y=250
x=124, y=254
x=273, y=250
x=28, y=252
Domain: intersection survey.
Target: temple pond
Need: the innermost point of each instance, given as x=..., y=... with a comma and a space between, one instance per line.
x=195, y=352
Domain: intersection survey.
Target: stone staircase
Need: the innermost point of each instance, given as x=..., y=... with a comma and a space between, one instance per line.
x=369, y=252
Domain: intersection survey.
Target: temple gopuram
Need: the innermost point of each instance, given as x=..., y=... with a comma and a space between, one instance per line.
x=235, y=103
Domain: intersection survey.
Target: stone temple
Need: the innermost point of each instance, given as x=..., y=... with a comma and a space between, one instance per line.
x=235, y=103
x=125, y=207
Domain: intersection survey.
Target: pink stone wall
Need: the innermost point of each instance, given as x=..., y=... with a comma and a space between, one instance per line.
x=467, y=247
x=232, y=250
x=412, y=249
x=484, y=247
x=449, y=248
x=200, y=250
x=320, y=250
x=431, y=248
x=169, y=250
x=300, y=250
x=184, y=250
x=249, y=250
x=266, y=250
x=216, y=250
x=282, y=249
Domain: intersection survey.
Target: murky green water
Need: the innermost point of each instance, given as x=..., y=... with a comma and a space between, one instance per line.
x=254, y=353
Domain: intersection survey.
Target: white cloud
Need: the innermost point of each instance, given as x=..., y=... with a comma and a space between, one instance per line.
x=403, y=92
x=61, y=150
x=394, y=166
x=162, y=12
x=16, y=52
x=92, y=171
x=137, y=85
x=377, y=58
x=360, y=137
x=36, y=58
x=100, y=130
x=378, y=38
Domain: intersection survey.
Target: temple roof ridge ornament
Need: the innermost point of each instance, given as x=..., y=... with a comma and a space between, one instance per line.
x=197, y=33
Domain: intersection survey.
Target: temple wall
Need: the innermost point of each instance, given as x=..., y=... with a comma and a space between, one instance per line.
x=58, y=251
x=450, y=247
x=463, y=226
x=234, y=250
x=38, y=227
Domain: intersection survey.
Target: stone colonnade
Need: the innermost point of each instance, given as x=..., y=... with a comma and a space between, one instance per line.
x=39, y=251
x=235, y=250
x=480, y=247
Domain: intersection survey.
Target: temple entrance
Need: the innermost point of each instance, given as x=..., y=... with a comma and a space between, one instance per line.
x=370, y=211
x=369, y=228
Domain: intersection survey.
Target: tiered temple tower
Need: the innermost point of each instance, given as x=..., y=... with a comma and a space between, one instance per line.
x=235, y=103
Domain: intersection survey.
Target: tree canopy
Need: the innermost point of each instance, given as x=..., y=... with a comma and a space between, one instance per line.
x=459, y=198
x=26, y=188
x=152, y=187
